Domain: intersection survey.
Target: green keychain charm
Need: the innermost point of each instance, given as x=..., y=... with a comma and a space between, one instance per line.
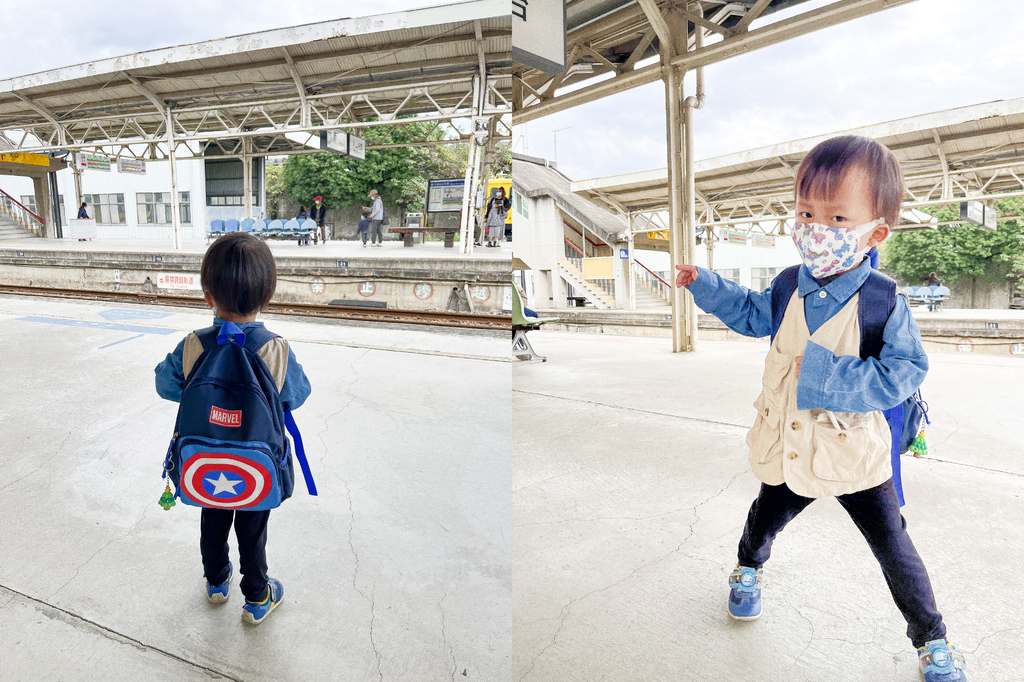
x=919, y=447
x=167, y=499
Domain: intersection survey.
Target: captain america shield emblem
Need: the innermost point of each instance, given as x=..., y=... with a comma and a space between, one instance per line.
x=219, y=479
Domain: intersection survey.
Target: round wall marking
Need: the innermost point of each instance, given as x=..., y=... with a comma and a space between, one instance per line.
x=317, y=285
x=423, y=290
x=479, y=294
x=965, y=346
x=367, y=289
x=1017, y=349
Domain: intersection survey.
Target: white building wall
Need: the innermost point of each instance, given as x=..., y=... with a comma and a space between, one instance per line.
x=191, y=178
x=538, y=240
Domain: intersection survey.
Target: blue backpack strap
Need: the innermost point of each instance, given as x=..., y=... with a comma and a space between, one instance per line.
x=782, y=290
x=877, y=300
x=300, y=451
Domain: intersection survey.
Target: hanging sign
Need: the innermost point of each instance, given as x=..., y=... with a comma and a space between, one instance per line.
x=137, y=166
x=356, y=147
x=538, y=34
x=87, y=161
x=25, y=158
x=734, y=237
x=764, y=241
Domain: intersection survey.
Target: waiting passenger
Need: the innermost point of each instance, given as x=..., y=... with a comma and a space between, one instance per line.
x=933, y=281
x=364, y=227
x=820, y=431
x=82, y=213
x=303, y=214
x=238, y=276
x=319, y=214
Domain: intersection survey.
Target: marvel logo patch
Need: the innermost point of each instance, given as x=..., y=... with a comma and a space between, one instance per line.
x=225, y=417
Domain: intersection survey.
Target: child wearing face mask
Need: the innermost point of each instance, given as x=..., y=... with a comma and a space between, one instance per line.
x=820, y=430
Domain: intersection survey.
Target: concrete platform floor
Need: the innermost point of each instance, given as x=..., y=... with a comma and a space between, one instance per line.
x=280, y=247
x=631, y=486
x=397, y=571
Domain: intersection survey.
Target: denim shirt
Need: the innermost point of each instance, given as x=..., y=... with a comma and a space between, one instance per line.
x=170, y=379
x=839, y=383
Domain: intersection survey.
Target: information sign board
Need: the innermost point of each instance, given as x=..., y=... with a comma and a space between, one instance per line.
x=136, y=166
x=445, y=195
x=538, y=34
x=88, y=161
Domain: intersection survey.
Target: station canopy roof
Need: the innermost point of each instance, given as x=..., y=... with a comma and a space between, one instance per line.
x=615, y=45
x=974, y=152
x=272, y=87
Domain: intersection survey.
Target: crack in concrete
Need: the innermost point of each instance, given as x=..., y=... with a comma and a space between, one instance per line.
x=565, y=611
x=745, y=427
x=603, y=518
x=993, y=634
x=43, y=464
x=444, y=636
x=373, y=618
x=78, y=568
x=81, y=623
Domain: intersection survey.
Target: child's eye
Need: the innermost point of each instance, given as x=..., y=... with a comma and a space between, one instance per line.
x=838, y=218
x=805, y=214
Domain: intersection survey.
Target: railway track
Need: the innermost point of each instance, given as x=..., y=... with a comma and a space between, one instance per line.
x=425, y=317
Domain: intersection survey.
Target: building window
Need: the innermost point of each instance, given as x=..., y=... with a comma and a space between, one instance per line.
x=155, y=208
x=520, y=205
x=731, y=274
x=230, y=201
x=105, y=209
x=760, y=278
x=29, y=202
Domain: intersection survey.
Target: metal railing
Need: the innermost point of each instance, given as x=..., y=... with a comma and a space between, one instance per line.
x=652, y=281
x=20, y=212
x=607, y=284
x=573, y=254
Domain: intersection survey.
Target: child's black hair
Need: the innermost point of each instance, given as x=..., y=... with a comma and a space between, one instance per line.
x=366, y=214
x=824, y=168
x=239, y=274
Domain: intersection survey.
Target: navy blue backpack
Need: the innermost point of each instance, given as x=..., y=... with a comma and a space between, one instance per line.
x=229, y=449
x=877, y=300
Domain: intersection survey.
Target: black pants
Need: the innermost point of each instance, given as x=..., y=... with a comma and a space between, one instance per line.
x=251, y=532
x=876, y=512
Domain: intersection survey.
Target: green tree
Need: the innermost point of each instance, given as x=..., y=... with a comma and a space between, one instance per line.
x=344, y=181
x=957, y=251
x=275, y=187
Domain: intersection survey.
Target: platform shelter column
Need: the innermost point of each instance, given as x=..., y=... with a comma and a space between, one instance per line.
x=41, y=188
x=247, y=175
x=171, y=156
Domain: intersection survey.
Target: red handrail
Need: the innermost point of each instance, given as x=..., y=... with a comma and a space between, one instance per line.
x=25, y=208
x=587, y=239
x=574, y=247
x=651, y=272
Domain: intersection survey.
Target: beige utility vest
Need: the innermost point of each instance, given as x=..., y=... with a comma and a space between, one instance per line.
x=816, y=453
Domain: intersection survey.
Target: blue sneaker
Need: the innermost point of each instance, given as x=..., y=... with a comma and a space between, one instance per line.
x=255, y=612
x=218, y=594
x=745, y=595
x=941, y=662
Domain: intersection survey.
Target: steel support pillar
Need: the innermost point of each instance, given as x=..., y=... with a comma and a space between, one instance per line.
x=680, y=235
x=631, y=266
x=468, y=205
x=44, y=207
x=172, y=157
x=247, y=176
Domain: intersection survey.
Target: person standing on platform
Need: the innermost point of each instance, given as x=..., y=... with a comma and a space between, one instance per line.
x=238, y=276
x=82, y=213
x=364, y=227
x=376, y=218
x=497, y=210
x=319, y=214
x=820, y=431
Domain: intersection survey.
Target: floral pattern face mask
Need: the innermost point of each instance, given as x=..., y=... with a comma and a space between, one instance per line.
x=828, y=251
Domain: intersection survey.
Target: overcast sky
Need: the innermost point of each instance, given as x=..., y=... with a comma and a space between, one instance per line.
x=926, y=56
x=62, y=32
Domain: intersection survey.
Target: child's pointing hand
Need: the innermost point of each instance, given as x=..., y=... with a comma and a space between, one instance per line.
x=686, y=276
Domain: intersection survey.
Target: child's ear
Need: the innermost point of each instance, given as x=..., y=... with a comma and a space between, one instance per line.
x=879, y=235
x=209, y=299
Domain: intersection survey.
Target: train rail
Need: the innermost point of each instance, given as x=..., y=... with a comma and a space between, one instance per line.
x=394, y=316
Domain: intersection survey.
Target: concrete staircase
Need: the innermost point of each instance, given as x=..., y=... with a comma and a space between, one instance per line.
x=647, y=297
x=593, y=293
x=12, y=228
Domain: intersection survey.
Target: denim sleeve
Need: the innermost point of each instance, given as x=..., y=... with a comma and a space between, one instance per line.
x=169, y=376
x=296, y=386
x=849, y=384
x=742, y=310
